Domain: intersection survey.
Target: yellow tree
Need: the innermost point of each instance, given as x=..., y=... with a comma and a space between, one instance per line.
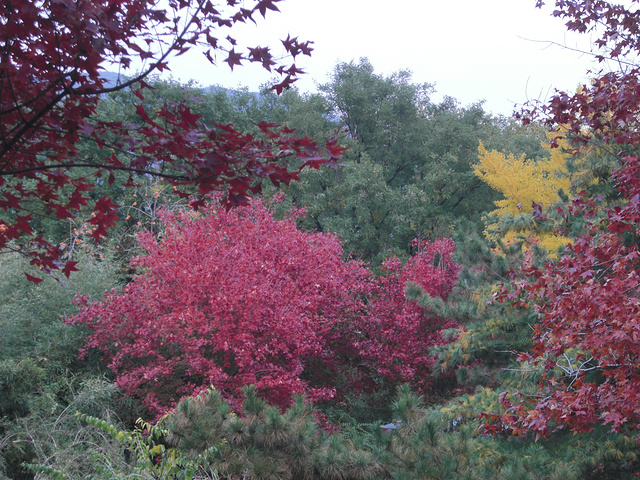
x=524, y=183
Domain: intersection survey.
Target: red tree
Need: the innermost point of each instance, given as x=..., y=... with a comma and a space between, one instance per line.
x=588, y=301
x=227, y=298
x=235, y=297
x=397, y=333
x=54, y=53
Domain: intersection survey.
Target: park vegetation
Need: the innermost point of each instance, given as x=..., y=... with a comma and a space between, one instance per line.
x=361, y=283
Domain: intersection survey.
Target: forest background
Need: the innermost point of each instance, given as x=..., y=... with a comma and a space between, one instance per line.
x=435, y=292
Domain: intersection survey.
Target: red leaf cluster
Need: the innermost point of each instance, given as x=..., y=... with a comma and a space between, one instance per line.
x=54, y=56
x=235, y=297
x=228, y=298
x=397, y=334
x=589, y=300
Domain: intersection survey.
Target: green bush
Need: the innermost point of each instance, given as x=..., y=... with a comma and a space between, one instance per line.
x=40, y=373
x=263, y=443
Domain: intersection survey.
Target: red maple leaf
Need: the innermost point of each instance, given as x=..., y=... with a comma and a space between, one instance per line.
x=234, y=58
x=284, y=84
x=33, y=279
x=264, y=5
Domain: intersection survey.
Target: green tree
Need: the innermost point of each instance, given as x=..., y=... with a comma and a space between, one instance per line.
x=383, y=114
x=407, y=173
x=261, y=442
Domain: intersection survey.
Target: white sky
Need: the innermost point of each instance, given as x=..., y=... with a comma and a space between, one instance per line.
x=492, y=50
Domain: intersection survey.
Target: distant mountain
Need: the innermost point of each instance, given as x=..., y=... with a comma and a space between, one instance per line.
x=113, y=79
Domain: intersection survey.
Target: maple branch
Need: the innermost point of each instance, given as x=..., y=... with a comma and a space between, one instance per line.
x=67, y=90
x=154, y=66
x=7, y=146
x=597, y=56
x=574, y=372
x=49, y=94
x=98, y=167
x=19, y=106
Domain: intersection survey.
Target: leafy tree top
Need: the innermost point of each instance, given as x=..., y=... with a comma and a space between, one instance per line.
x=227, y=298
x=523, y=182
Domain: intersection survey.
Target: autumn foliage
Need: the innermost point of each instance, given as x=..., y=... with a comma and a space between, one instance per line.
x=587, y=337
x=232, y=298
x=55, y=55
x=586, y=341
x=400, y=333
x=226, y=299
x=529, y=187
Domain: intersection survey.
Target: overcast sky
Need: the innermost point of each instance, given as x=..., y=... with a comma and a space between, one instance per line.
x=492, y=50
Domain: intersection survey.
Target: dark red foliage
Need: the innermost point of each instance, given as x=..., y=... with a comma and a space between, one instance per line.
x=397, y=333
x=588, y=337
x=54, y=54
